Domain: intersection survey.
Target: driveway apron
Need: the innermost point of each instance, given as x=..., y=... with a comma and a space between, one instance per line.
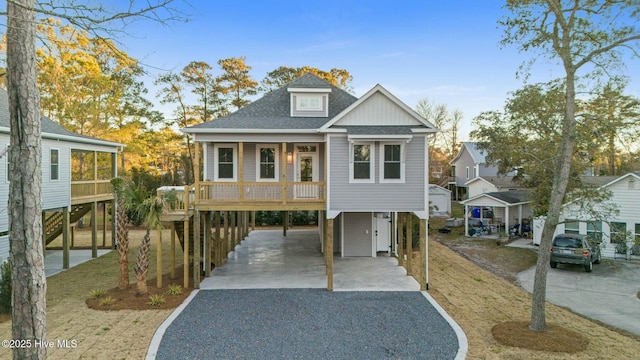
x=269, y=301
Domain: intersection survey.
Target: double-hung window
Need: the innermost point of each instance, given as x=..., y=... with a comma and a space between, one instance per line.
x=618, y=232
x=362, y=157
x=268, y=162
x=391, y=163
x=225, y=162
x=54, y=164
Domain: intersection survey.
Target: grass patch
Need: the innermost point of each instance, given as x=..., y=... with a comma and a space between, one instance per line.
x=555, y=338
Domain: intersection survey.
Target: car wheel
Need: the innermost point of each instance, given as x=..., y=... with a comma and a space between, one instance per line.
x=553, y=264
x=598, y=258
x=588, y=267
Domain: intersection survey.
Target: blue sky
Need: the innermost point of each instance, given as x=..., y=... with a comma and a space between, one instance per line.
x=446, y=51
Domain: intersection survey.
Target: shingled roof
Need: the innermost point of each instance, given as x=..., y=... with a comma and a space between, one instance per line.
x=271, y=111
x=49, y=128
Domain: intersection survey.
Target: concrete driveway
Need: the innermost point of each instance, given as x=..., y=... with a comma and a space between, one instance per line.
x=607, y=294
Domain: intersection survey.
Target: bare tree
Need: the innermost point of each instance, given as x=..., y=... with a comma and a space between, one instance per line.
x=25, y=204
x=577, y=33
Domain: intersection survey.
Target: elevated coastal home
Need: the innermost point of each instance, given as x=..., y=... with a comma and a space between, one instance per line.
x=76, y=174
x=361, y=162
x=468, y=165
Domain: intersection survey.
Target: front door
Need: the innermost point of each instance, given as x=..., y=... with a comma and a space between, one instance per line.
x=382, y=232
x=306, y=172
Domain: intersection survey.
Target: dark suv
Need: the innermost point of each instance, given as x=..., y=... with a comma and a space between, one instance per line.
x=575, y=249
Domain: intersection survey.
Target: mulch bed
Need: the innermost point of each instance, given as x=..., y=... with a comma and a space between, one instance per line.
x=128, y=300
x=556, y=338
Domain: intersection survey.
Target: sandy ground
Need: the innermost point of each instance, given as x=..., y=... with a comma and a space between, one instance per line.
x=475, y=298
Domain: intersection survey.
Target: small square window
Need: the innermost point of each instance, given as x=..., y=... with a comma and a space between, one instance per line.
x=55, y=165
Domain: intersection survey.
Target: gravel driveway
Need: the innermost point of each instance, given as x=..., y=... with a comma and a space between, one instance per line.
x=308, y=324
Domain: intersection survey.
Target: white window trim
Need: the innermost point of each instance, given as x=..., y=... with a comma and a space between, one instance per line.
x=216, y=148
x=300, y=97
x=51, y=164
x=467, y=173
x=372, y=161
x=402, y=162
x=475, y=172
x=276, y=175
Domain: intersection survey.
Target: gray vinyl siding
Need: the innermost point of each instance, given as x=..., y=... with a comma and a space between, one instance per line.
x=4, y=248
x=249, y=154
x=486, y=170
x=56, y=193
x=260, y=138
x=465, y=160
x=357, y=231
x=407, y=196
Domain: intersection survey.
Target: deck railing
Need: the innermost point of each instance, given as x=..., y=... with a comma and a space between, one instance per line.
x=85, y=189
x=261, y=192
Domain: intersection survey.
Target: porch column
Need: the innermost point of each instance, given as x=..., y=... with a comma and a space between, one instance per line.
x=330, y=254
x=218, y=240
x=197, y=263
x=104, y=224
x=185, y=237
x=285, y=222
x=95, y=173
x=65, y=237
x=94, y=230
x=208, y=248
x=394, y=234
x=114, y=223
x=466, y=220
x=225, y=244
x=233, y=231
x=520, y=218
x=400, y=239
x=506, y=219
x=284, y=174
x=253, y=220
x=424, y=261
x=196, y=172
x=409, y=225
x=159, y=259
x=173, y=250
x=241, y=171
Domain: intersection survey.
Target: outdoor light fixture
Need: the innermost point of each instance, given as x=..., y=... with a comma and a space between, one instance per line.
x=289, y=157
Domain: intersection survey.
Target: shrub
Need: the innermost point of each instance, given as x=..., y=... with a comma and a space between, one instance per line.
x=97, y=293
x=5, y=287
x=155, y=300
x=174, y=289
x=107, y=301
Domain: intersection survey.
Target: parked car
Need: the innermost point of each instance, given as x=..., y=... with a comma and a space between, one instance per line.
x=575, y=249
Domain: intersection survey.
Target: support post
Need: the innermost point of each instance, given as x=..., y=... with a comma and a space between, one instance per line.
x=225, y=244
x=233, y=230
x=400, y=239
x=44, y=234
x=284, y=173
x=207, y=241
x=173, y=250
x=253, y=220
x=409, y=225
x=159, y=260
x=197, y=263
x=325, y=244
x=65, y=237
x=241, y=171
x=285, y=222
x=114, y=223
x=94, y=230
x=104, y=224
x=218, y=240
x=424, y=262
x=185, y=235
x=196, y=172
x=330, y=255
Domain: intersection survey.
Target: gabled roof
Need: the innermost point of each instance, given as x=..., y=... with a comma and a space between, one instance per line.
x=511, y=197
x=633, y=175
x=478, y=155
x=272, y=111
x=498, y=181
x=381, y=90
x=597, y=180
x=49, y=128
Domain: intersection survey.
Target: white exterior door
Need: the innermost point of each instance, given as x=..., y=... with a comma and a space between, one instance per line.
x=382, y=232
x=306, y=171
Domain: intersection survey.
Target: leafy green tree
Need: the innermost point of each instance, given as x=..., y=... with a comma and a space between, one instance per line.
x=283, y=75
x=236, y=81
x=209, y=91
x=576, y=33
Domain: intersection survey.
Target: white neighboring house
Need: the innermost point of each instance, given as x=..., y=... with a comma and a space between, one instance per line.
x=625, y=192
x=61, y=192
x=439, y=201
x=489, y=183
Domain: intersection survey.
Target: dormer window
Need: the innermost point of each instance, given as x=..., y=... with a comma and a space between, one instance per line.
x=309, y=103
x=312, y=102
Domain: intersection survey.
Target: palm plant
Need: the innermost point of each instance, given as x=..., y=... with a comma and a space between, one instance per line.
x=122, y=232
x=150, y=211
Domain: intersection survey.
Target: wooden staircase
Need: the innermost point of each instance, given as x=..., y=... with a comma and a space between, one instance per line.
x=54, y=223
x=179, y=226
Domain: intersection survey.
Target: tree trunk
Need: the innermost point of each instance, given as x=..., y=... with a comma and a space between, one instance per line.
x=142, y=264
x=25, y=204
x=123, y=244
x=560, y=181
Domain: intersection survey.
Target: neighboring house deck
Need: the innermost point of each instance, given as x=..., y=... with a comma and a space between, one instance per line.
x=76, y=174
x=361, y=162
